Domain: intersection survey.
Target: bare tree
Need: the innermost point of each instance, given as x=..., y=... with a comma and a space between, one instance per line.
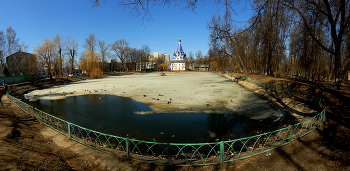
x=262, y=47
x=336, y=20
x=66, y=66
x=199, y=55
x=222, y=38
x=23, y=47
x=218, y=59
x=60, y=45
x=133, y=56
x=160, y=60
x=12, y=41
x=141, y=7
x=144, y=55
x=71, y=51
x=90, y=42
x=120, y=47
x=146, y=49
x=190, y=56
x=271, y=26
x=2, y=49
x=347, y=57
x=44, y=54
x=104, y=51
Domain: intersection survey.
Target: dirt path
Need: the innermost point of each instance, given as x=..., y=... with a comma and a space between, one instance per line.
x=26, y=144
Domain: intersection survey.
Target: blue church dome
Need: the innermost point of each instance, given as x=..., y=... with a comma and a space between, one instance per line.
x=179, y=54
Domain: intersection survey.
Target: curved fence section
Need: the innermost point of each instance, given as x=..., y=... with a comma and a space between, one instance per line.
x=182, y=154
x=17, y=79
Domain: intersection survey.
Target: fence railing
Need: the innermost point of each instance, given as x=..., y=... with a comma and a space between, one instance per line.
x=16, y=79
x=181, y=154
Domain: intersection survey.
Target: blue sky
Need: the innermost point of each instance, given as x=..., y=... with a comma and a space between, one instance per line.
x=35, y=20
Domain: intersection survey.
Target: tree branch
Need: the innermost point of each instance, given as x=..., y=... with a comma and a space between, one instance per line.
x=309, y=29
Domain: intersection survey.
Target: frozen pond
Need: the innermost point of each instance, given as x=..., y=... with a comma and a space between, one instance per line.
x=202, y=107
x=189, y=92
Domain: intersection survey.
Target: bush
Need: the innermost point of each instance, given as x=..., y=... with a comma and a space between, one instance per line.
x=95, y=73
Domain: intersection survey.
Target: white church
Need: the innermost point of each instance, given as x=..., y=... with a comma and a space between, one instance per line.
x=178, y=61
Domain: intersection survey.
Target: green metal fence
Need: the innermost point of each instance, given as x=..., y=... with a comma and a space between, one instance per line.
x=182, y=154
x=16, y=79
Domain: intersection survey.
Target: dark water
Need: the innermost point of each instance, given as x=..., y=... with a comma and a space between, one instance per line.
x=116, y=115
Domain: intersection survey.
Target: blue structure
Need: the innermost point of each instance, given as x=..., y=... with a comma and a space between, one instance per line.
x=179, y=54
x=178, y=62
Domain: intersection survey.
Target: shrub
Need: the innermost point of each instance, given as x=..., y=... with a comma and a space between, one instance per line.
x=95, y=73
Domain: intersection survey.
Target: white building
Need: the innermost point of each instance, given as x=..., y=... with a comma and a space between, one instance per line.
x=178, y=62
x=166, y=57
x=152, y=63
x=154, y=56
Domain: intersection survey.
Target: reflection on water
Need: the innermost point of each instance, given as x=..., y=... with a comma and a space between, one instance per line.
x=116, y=115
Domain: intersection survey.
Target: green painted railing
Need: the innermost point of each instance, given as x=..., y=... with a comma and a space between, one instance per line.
x=16, y=79
x=182, y=154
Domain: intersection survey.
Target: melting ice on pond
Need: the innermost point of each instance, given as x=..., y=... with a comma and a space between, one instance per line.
x=116, y=115
x=125, y=105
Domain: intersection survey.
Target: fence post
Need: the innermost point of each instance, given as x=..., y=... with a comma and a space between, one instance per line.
x=291, y=134
x=319, y=103
x=221, y=152
x=319, y=119
x=41, y=116
x=323, y=116
x=69, y=133
x=127, y=148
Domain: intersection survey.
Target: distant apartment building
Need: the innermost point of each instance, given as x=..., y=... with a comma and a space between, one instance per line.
x=153, y=60
x=154, y=56
x=165, y=58
x=21, y=63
